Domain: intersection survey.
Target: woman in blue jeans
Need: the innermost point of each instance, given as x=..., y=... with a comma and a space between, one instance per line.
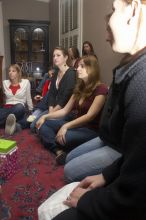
x=89, y=159
x=17, y=92
x=58, y=130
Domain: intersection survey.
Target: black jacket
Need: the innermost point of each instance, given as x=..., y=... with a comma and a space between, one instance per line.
x=123, y=127
x=61, y=95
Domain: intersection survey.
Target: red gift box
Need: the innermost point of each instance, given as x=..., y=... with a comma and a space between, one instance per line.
x=8, y=164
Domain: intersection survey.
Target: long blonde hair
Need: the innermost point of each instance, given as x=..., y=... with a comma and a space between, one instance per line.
x=84, y=90
x=18, y=69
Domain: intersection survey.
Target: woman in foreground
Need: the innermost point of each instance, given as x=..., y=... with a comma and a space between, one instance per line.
x=119, y=192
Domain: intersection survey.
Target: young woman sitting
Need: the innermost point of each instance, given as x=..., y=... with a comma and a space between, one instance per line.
x=78, y=121
x=17, y=94
x=62, y=84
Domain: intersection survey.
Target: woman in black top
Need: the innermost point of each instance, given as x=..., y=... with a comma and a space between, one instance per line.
x=61, y=88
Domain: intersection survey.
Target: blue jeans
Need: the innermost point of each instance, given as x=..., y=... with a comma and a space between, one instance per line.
x=18, y=110
x=89, y=159
x=43, y=104
x=39, y=114
x=74, y=137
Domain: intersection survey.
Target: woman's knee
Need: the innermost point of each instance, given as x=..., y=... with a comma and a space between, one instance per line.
x=19, y=108
x=70, y=172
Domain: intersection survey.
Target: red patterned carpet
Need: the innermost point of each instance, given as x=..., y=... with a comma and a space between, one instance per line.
x=37, y=177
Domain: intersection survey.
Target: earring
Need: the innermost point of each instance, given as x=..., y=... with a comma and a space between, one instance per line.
x=65, y=64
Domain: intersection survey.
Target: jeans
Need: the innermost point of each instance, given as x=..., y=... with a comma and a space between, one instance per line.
x=74, y=137
x=44, y=103
x=89, y=159
x=38, y=115
x=18, y=110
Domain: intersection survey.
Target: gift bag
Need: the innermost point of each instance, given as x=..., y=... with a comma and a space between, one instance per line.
x=8, y=159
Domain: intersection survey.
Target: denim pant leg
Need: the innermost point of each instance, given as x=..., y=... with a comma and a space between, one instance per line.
x=44, y=103
x=18, y=110
x=90, y=163
x=75, y=137
x=32, y=125
x=48, y=132
x=85, y=148
x=4, y=112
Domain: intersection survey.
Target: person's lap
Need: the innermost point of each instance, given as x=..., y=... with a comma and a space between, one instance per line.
x=90, y=163
x=86, y=147
x=70, y=214
x=75, y=137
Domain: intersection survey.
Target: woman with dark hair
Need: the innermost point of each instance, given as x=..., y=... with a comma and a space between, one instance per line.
x=74, y=56
x=87, y=49
x=78, y=121
x=61, y=87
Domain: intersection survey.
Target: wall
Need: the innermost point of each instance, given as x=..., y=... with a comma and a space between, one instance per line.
x=94, y=31
x=54, y=25
x=2, y=51
x=21, y=9
x=93, y=27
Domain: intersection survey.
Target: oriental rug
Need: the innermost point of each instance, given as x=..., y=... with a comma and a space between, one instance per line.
x=37, y=177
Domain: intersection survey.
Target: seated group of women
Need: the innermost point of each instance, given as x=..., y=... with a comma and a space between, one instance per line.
x=67, y=116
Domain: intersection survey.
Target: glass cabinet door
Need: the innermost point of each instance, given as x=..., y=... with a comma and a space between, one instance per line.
x=22, y=49
x=21, y=45
x=38, y=50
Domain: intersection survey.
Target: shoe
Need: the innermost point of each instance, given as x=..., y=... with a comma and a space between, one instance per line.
x=61, y=157
x=18, y=127
x=10, y=125
x=31, y=118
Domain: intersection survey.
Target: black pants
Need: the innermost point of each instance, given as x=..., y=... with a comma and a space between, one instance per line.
x=71, y=214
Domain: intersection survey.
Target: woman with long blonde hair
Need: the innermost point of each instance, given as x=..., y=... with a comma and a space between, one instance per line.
x=17, y=96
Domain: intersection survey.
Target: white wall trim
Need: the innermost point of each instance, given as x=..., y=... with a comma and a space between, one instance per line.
x=47, y=1
x=2, y=49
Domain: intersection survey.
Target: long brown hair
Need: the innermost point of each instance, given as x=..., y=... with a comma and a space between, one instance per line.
x=84, y=90
x=64, y=52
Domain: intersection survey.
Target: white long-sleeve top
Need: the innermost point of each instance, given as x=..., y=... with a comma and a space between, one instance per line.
x=23, y=95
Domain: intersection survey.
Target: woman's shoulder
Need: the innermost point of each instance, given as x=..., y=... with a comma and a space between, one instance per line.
x=101, y=89
x=71, y=71
x=25, y=81
x=6, y=82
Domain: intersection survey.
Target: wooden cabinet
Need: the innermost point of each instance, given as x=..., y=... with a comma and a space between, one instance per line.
x=1, y=96
x=29, y=41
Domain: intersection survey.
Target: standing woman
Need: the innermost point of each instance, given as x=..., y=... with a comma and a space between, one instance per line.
x=119, y=192
x=74, y=56
x=87, y=49
x=85, y=106
x=17, y=96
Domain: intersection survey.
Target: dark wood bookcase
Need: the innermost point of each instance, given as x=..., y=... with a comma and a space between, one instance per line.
x=29, y=42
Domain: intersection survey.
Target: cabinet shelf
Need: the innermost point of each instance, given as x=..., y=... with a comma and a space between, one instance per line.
x=21, y=51
x=29, y=41
x=39, y=51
